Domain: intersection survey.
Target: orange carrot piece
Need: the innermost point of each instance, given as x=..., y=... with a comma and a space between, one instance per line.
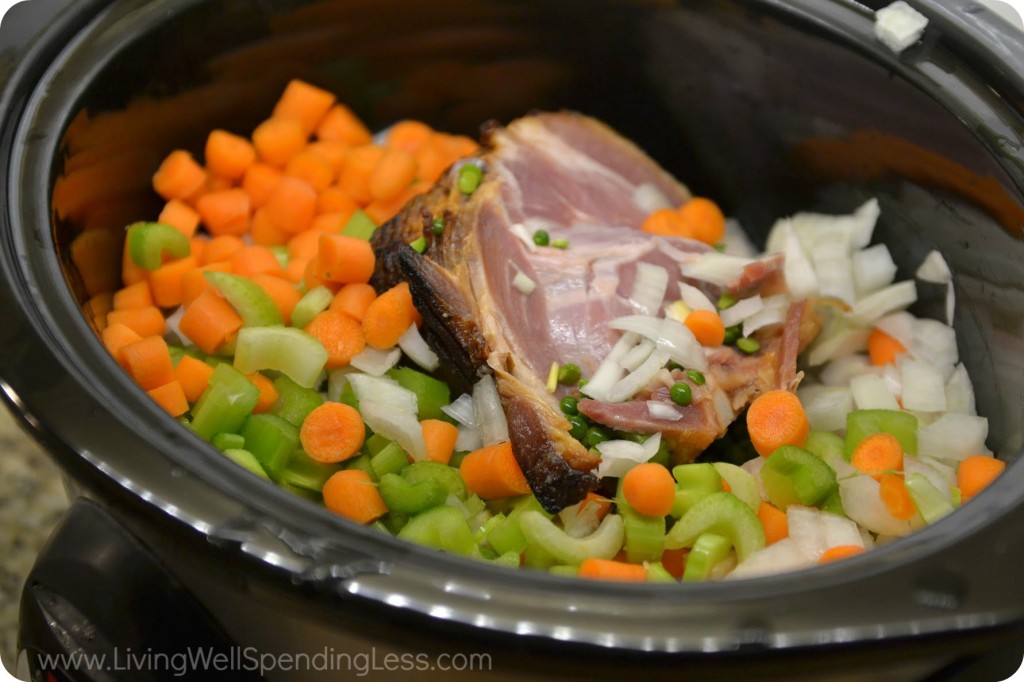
x=345, y=259
x=333, y=432
x=96, y=309
x=171, y=397
x=334, y=153
x=409, y=135
x=341, y=336
x=220, y=249
x=144, y=321
x=341, y=125
x=354, y=300
x=305, y=244
x=193, y=283
x=148, y=361
x=311, y=276
x=707, y=326
x=259, y=181
x=440, y=437
x=389, y=316
x=264, y=232
x=278, y=139
x=896, y=497
x=180, y=216
x=839, y=552
x=602, y=503
x=198, y=247
x=130, y=272
x=254, y=260
x=133, y=296
x=228, y=155
x=268, y=393
x=209, y=321
x=665, y=222
x=166, y=282
x=774, y=419
x=431, y=159
x=883, y=348
x=179, y=176
x=295, y=271
x=283, y=293
x=335, y=200
x=649, y=489
x=975, y=473
x=95, y=254
x=351, y=493
x=291, y=205
x=704, y=220
x=878, y=454
x=393, y=173
x=774, y=522
x=355, y=176
x=493, y=472
x=674, y=561
x=608, y=569
x=225, y=211
x=304, y=103
x=116, y=336
x=312, y=168
x=193, y=375
x=383, y=210
x=329, y=222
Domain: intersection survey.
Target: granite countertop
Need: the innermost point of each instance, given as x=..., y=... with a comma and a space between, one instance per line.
x=32, y=500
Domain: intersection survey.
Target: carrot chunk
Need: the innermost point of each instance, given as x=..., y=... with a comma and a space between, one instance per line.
x=341, y=125
x=193, y=375
x=975, y=473
x=440, y=437
x=352, y=494
x=774, y=419
x=389, y=316
x=608, y=569
x=180, y=216
x=209, y=321
x=228, y=155
x=171, y=397
x=179, y=176
x=883, y=348
x=144, y=321
x=333, y=432
x=225, y=211
x=878, y=454
x=649, y=489
x=148, y=361
x=493, y=472
x=304, y=103
x=774, y=522
x=344, y=259
x=707, y=326
x=354, y=300
x=278, y=139
x=341, y=335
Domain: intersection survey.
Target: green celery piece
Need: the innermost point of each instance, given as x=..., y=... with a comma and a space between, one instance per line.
x=603, y=543
x=930, y=502
x=394, y=522
x=834, y=504
x=457, y=457
x=742, y=484
x=695, y=482
x=508, y=559
x=225, y=404
x=246, y=460
x=863, y=423
x=389, y=460
x=228, y=441
x=721, y=513
x=362, y=463
x=294, y=402
x=281, y=254
x=271, y=440
x=148, y=242
x=431, y=394
x=304, y=493
x=410, y=498
x=305, y=472
x=824, y=444
x=177, y=353
x=536, y=557
x=484, y=530
x=708, y=550
x=441, y=528
x=792, y=475
x=348, y=397
x=376, y=443
x=564, y=571
x=359, y=226
x=644, y=535
x=449, y=478
x=378, y=525
x=656, y=573
x=506, y=537
x=290, y=351
x=252, y=303
x=312, y=303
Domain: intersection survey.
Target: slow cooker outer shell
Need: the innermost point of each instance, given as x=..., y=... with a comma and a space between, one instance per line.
x=625, y=63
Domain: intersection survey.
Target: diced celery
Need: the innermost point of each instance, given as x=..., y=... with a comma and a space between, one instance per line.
x=249, y=299
x=290, y=351
x=394, y=522
x=225, y=404
x=410, y=498
x=449, y=478
x=245, y=459
x=485, y=529
x=792, y=475
x=148, y=242
x=390, y=459
x=443, y=528
x=603, y=543
x=508, y=559
x=862, y=423
x=644, y=535
x=824, y=444
x=709, y=549
x=376, y=443
x=564, y=571
x=280, y=252
x=294, y=403
x=431, y=394
x=928, y=499
x=271, y=440
x=360, y=226
x=305, y=472
x=742, y=484
x=362, y=463
x=696, y=481
x=312, y=303
x=228, y=441
x=721, y=513
x=834, y=503
x=507, y=537
x=656, y=573
x=304, y=493
x=537, y=557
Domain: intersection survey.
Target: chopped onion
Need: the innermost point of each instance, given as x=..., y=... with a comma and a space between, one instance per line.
x=461, y=410
x=934, y=269
x=870, y=393
x=488, y=413
x=806, y=528
x=468, y=439
x=173, y=326
x=741, y=310
x=669, y=335
x=649, y=287
x=826, y=406
x=663, y=410
x=383, y=390
x=737, y=243
x=523, y=283
x=376, y=362
x=840, y=531
x=960, y=392
x=637, y=355
x=763, y=318
x=800, y=276
x=898, y=26
x=835, y=274
x=884, y=301
x=935, y=343
x=863, y=504
x=873, y=269
x=402, y=427
x=953, y=437
x=609, y=371
x=716, y=268
x=863, y=222
x=924, y=387
x=899, y=326
x=619, y=456
x=414, y=346
x=838, y=345
x=778, y=557
x=648, y=198
x=840, y=371
x=632, y=383
x=337, y=380
x=695, y=298
x=581, y=519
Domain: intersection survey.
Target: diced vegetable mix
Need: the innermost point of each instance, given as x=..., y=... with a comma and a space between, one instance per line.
x=246, y=313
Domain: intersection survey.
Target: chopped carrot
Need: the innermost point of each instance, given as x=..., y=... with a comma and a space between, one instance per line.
x=96, y=309
x=355, y=176
x=209, y=321
x=607, y=569
x=666, y=222
x=171, y=397
x=603, y=504
x=674, y=561
x=354, y=299
x=896, y=497
x=383, y=210
x=166, y=282
x=278, y=139
x=707, y=326
x=179, y=176
x=312, y=279
x=116, y=336
x=336, y=200
x=148, y=361
x=312, y=168
x=225, y=211
x=268, y=393
x=431, y=159
x=409, y=135
x=130, y=272
x=255, y=260
x=883, y=348
x=345, y=259
x=440, y=437
x=774, y=522
x=193, y=375
x=329, y=222
x=351, y=493
x=393, y=173
x=840, y=552
x=144, y=321
x=493, y=471
x=133, y=296
x=704, y=220
x=334, y=153
x=333, y=432
x=283, y=293
x=194, y=283
x=197, y=246
x=389, y=316
x=878, y=454
x=975, y=473
x=264, y=232
x=291, y=205
x=95, y=253
x=304, y=103
x=649, y=489
x=774, y=419
x=228, y=155
x=305, y=244
x=341, y=335
x=295, y=271
x=180, y=216
x=341, y=125
x=214, y=183
x=220, y=249
x=259, y=181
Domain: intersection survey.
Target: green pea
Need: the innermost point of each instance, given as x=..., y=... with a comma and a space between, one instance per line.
x=437, y=226
x=696, y=377
x=470, y=177
x=569, y=405
x=681, y=393
x=578, y=426
x=595, y=435
x=732, y=334
x=541, y=238
x=560, y=243
x=726, y=300
x=748, y=345
x=569, y=374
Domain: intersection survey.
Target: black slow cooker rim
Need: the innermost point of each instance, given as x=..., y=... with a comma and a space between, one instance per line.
x=58, y=324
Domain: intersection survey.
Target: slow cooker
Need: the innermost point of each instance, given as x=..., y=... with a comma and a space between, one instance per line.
x=174, y=563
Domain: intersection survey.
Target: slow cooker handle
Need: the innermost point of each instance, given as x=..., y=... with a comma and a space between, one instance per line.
x=98, y=606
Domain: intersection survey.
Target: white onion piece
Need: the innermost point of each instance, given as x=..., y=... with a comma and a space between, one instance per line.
x=924, y=387
x=807, y=530
x=488, y=413
x=632, y=383
x=779, y=557
x=383, y=390
x=873, y=269
x=337, y=380
x=609, y=371
x=619, y=456
x=741, y=310
x=935, y=343
x=173, y=326
x=934, y=269
x=716, y=268
x=835, y=274
x=840, y=531
x=800, y=275
x=461, y=410
x=416, y=348
x=753, y=467
x=637, y=355
x=662, y=410
x=953, y=437
x=695, y=298
x=402, y=427
x=763, y=318
x=862, y=223
x=863, y=504
x=884, y=301
x=523, y=284
x=898, y=26
x=648, y=198
x=669, y=335
x=842, y=370
x=960, y=392
x=468, y=439
x=893, y=379
x=870, y=393
x=649, y=287
x=826, y=406
x=580, y=519
x=899, y=326
x=840, y=344
x=374, y=361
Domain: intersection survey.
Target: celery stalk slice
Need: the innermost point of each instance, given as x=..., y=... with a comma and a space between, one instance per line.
x=288, y=350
